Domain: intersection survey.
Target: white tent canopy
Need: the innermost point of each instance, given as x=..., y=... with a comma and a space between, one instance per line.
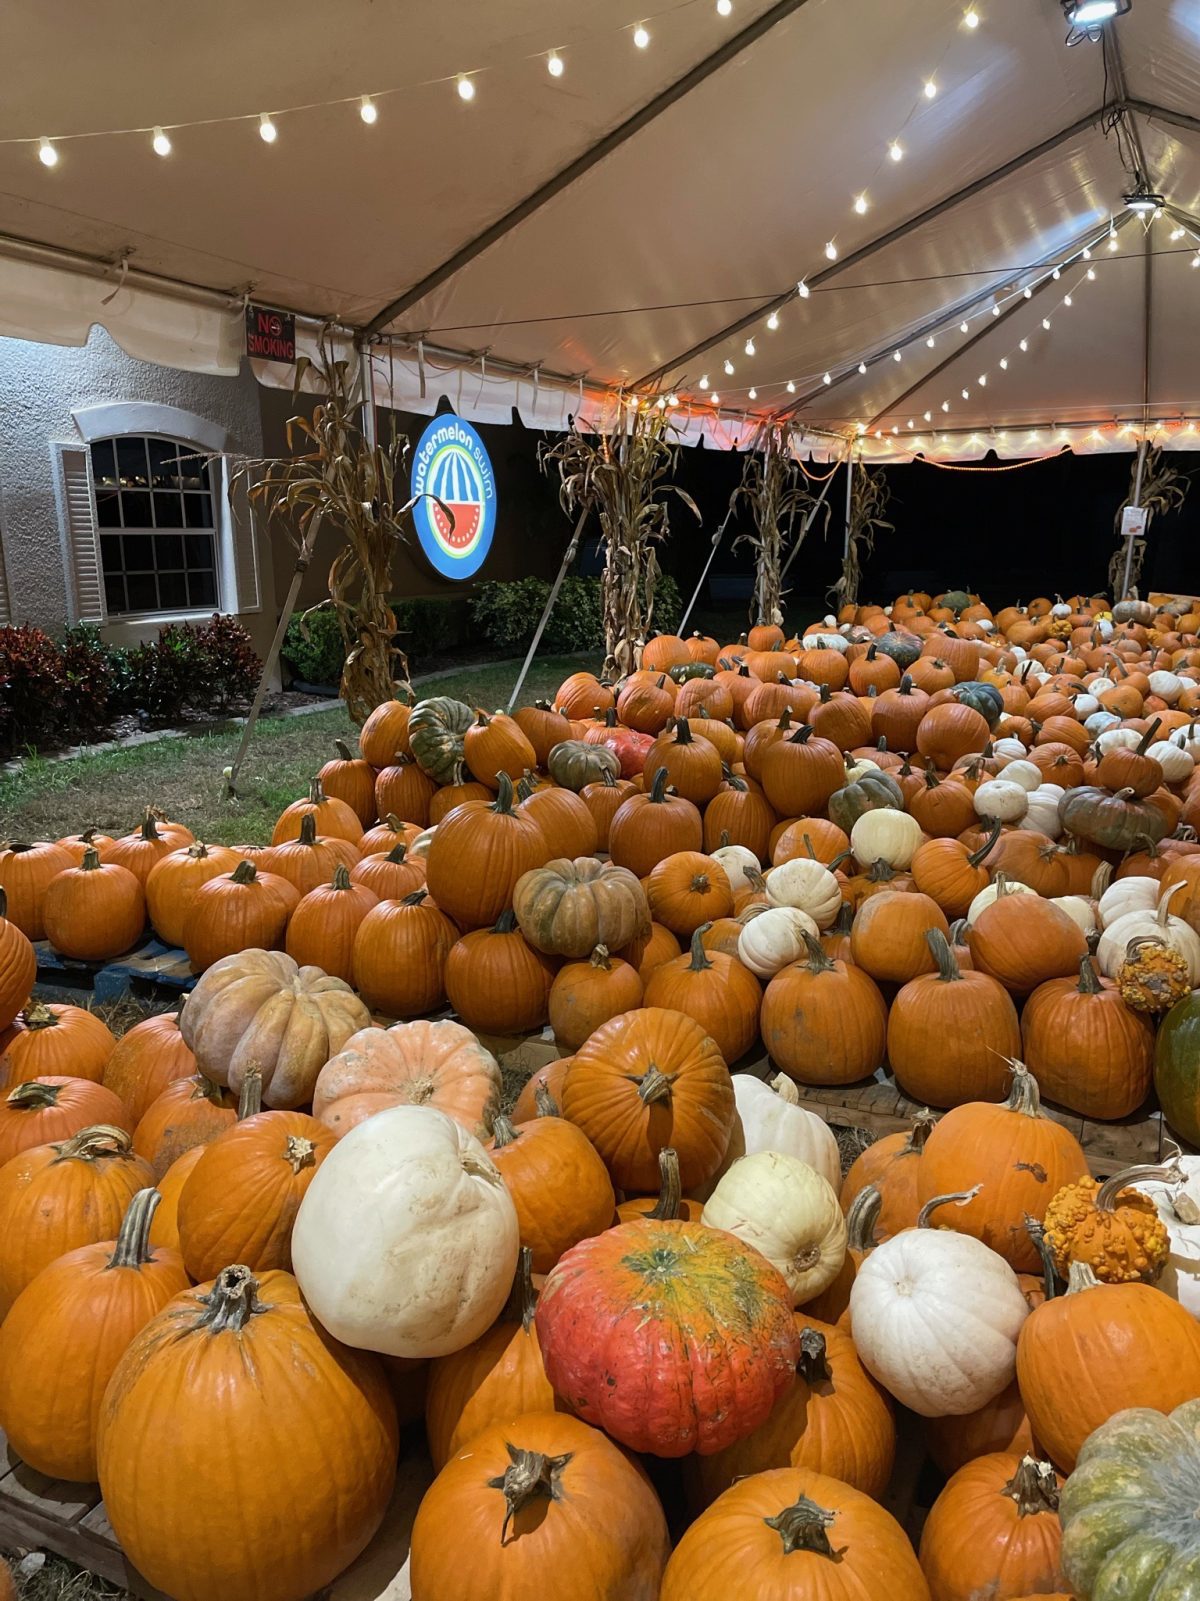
x=635, y=220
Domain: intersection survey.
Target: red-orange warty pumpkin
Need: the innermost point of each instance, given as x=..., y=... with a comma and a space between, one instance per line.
x=675, y=1311
x=233, y=1349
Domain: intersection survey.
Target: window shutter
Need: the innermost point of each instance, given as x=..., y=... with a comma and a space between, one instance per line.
x=5, y=603
x=80, y=539
x=247, y=594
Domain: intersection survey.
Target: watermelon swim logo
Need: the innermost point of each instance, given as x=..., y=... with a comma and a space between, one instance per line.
x=452, y=463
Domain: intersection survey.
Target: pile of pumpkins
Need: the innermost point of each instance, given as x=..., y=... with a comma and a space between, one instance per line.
x=908, y=837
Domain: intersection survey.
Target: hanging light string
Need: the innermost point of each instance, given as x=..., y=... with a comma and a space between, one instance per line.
x=1000, y=467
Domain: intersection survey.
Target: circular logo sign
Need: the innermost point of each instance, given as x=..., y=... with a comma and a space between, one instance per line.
x=451, y=463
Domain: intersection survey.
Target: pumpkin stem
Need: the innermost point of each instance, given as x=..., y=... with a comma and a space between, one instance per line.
x=148, y=829
x=1036, y=1231
x=700, y=962
x=607, y=779
x=199, y=851
x=546, y=1105
x=1109, y=1193
x=343, y=750
x=397, y=852
x=974, y=859
x=670, y=1190
x=1089, y=979
x=521, y=1299
x=33, y=1096
x=505, y=923
x=250, y=1099
x=1034, y=1487
x=526, y=785
x=683, y=731
x=244, y=873
x=658, y=790
x=299, y=1153
x=341, y=877
x=819, y=959
x=133, y=1241
x=102, y=1139
x=417, y=898
x=503, y=803
x=503, y=1131
x=654, y=1085
x=923, y=1126
x=1148, y=738
x=802, y=1528
x=1080, y=1277
x=802, y=735
x=1024, y=1096
x=232, y=1301
x=38, y=1015
x=862, y=1218
x=957, y=1197
x=91, y=859
x=813, y=1363
x=316, y=792
x=1102, y=877
x=842, y=922
x=530, y=1474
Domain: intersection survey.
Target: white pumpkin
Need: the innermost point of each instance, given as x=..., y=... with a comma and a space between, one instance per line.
x=771, y=1118
x=885, y=835
x=1085, y=705
x=1167, y=686
x=1060, y=609
x=774, y=938
x=1104, y=628
x=986, y=624
x=1178, y=1206
x=1009, y=749
x=1013, y=886
x=738, y=861
x=1041, y=810
x=420, y=845
x=1133, y=894
x=859, y=769
x=1101, y=686
x=1100, y=722
x=1114, y=941
x=1188, y=739
x=1118, y=739
x=1079, y=909
x=825, y=641
x=407, y=1238
x=936, y=1318
x=997, y=798
x=1177, y=764
x=786, y=1210
x=808, y=885
x=1027, y=774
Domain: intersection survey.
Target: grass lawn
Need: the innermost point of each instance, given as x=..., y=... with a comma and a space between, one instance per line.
x=110, y=790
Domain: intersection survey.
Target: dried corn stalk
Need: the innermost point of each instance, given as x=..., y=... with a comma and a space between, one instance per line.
x=869, y=497
x=775, y=492
x=1164, y=489
x=622, y=476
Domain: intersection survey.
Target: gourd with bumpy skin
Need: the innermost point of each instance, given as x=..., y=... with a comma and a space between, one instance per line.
x=1153, y=975
x=406, y=1240
x=936, y=1317
x=786, y=1210
x=1176, y=934
x=1111, y=1227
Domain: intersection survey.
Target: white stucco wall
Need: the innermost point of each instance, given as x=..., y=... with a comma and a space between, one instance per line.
x=40, y=387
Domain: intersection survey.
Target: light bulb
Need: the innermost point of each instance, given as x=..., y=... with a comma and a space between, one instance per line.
x=983, y=380
x=555, y=65
x=724, y=8
x=909, y=425
x=704, y=381
x=928, y=415
x=1087, y=255
x=930, y=88
x=931, y=341
x=728, y=366
x=660, y=404
x=966, y=394
x=1024, y=344
x=750, y=347
x=971, y=18
x=160, y=143
x=895, y=430
x=716, y=399
x=896, y=150
x=1056, y=274
x=1177, y=234
x=862, y=427
x=367, y=110
x=466, y=88
x=1195, y=258
x=267, y=131
x=896, y=356
x=47, y=154
x=964, y=326
x=753, y=394
x=672, y=399
x=641, y=37
x=862, y=366
x=803, y=290
x=827, y=379
x=1046, y=324
x=1028, y=293
x=945, y=405
x=860, y=205
x=791, y=387
x=773, y=321
x=1091, y=275
x=1003, y=363
x=830, y=250
x=1113, y=242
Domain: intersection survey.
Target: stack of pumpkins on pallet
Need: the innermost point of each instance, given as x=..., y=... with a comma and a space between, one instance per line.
x=896, y=837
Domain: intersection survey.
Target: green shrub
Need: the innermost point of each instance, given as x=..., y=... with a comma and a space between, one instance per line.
x=225, y=666
x=33, y=688
x=312, y=647
x=95, y=676
x=506, y=614
x=431, y=625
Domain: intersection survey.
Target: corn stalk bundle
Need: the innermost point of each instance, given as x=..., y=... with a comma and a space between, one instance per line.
x=1164, y=489
x=869, y=498
x=775, y=492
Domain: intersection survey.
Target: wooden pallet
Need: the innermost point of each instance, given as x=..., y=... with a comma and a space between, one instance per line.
x=150, y=972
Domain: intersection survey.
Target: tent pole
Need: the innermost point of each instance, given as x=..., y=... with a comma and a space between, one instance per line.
x=808, y=522
x=849, y=500
x=1147, y=317
x=550, y=599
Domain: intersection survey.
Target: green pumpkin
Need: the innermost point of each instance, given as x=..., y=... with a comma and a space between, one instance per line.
x=902, y=647
x=686, y=670
x=871, y=793
x=1130, y=1530
x=986, y=699
x=1118, y=822
x=956, y=599
x=435, y=732
x=574, y=763
x=1177, y=1067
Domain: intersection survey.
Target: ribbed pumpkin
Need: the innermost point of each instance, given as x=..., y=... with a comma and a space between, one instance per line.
x=648, y=828
x=1085, y=1047
x=386, y=835
x=190, y=1111
x=567, y=908
x=65, y=1334
x=331, y=817
x=739, y=814
x=390, y=876
x=18, y=967
x=650, y=950
x=495, y=744
x=25, y=874
x=691, y=762
x=564, y=818
x=801, y=772
x=322, y=929
x=888, y=939
x=994, y=1529
x=647, y=1080
x=149, y=1057
x=77, y=845
x=351, y=779
x=141, y=850
x=438, y=1064
x=238, y=911
x=1023, y=941
x=833, y=1419
x=94, y=911
x=558, y=1184
x=55, y=1040
x=452, y=795
x=45, y=1111
x=714, y=990
x=173, y=881
x=404, y=790
x=242, y=1196
x=400, y=954
x=164, y=1229
x=478, y=854
x=824, y=1021
x=384, y=735
x=949, y=1032
x=544, y=726
x=1001, y=1425
x=687, y=889
x=603, y=800
x=890, y=1165
x=233, y=1349
x=540, y=1093
x=309, y=860
x=950, y=874
x=56, y=1197
x=1013, y=1155
x=496, y=982
x=586, y=994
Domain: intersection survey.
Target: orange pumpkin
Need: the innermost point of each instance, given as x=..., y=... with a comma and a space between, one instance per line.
x=384, y=735
x=888, y=937
x=1023, y=940
x=477, y=855
x=309, y=861
x=438, y=1064
x=55, y=1040
x=190, y=1111
x=994, y=1528
x=351, y=779
x=1086, y=1048
x=94, y=911
x=25, y=874
x=331, y=817
x=691, y=762
x=558, y=1184
x=648, y=828
x=1001, y=1425
x=891, y=1166
x=173, y=881
x=239, y=911
x=824, y=1020
x=406, y=791
x=603, y=800
x=385, y=836
x=688, y=889
x=145, y=847
x=152, y=1055
x=164, y=1229
x=49, y=1110
x=322, y=929
x=564, y=818
x=400, y=954
x=496, y=982
x=713, y=989
x=586, y=994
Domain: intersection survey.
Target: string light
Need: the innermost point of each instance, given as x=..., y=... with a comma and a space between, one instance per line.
x=749, y=349
x=966, y=394
x=1091, y=275
x=716, y=399
x=896, y=150
x=1046, y=324
x=555, y=65
x=753, y=394
x=1028, y=292
x=928, y=416
x=861, y=205
x=983, y=380
x=1195, y=258
x=728, y=366
x=1056, y=274
x=803, y=290
x=945, y=405
x=995, y=311
x=160, y=143
x=704, y=381
x=791, y=387
x=1113, y=242
x=931, y=341
x=1003, y=363
x=827, y=379
x=971, y=19
x=930, y=89
x=672, y=399
x=964, y=326
x=466, y=87
x=1024, y=344
x=47, y=154
x=1067, y=301
x=773, y=321
x=830, y=250
x=724, y=8
x=1086, y=253
x=862, y=366
x=909, y=425
x=267, y=130
x=1177, y=234
x=897, y=355
x=641, y=36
